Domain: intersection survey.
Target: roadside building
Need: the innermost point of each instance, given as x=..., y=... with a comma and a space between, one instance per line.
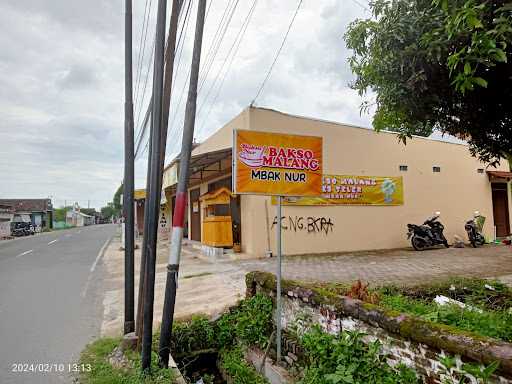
x=164, y=218
x=6, y=217
x=76, y=218
x=39, y=212
x=413, y=181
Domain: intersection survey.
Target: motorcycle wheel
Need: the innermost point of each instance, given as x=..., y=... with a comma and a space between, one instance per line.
x=418, y=244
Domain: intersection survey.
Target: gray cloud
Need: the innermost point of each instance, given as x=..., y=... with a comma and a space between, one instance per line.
x=62, y=85
x=78, y=76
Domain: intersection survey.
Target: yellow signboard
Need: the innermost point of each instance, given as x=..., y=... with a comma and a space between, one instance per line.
x=354, y=190
x=277, y=164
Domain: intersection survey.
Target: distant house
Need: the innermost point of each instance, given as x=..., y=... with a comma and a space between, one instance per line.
x=79, y=219
x=6, y=217
x=39, y=212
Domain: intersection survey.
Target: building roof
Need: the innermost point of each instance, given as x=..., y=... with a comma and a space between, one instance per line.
x=5, y=208
x=435, y=136
x=28, y=205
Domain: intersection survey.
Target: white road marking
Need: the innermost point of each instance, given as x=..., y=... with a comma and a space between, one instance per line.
x=25, y=253
x=79, y=231
x=53, y=241
x=93, y=267
x=100, y=253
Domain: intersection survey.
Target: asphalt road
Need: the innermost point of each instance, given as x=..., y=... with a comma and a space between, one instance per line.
x=51, y=302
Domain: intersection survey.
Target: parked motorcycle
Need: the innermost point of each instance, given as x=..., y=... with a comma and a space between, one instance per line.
x=18, y=232
x=474, y=230
x=19, y=229
x=429, y=234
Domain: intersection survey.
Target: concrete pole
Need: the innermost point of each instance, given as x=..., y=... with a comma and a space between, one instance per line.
x=181, y=193
x=128, y=184
x=155, y=186
x=168, y=74
x=278, y=288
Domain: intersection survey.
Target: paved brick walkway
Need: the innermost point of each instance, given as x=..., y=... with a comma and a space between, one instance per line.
x=397, y=266
x=207, y=286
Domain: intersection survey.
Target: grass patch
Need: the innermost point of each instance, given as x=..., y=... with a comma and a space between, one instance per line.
x=494, y=321
x=345, y=358
x=468, y=290
x=233, y=363
x=250, y=324
x=96, y=355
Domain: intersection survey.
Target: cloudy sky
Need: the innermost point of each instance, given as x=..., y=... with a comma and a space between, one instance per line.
x=62, y=83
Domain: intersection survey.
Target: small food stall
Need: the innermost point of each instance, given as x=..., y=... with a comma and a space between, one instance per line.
x=217, y=223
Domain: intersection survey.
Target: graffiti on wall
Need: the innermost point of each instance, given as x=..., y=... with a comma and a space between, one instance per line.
x=309, y=224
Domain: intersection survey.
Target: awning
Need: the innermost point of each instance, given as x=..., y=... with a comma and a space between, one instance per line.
x=203, y=167
x=499, y=175
x=201, y=162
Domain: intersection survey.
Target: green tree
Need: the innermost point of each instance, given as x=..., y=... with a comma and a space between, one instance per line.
x=108, y=211
x=438, y=65
x=117, y=200
x=113, y=208
x=59, y=214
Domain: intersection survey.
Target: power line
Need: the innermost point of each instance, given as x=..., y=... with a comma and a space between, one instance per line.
x=208, y=54
x=277, y=54
x=183, y=33
x=216, y=45
x=237, y=42
x=142, y=49
x=144, y=127
x=212, y=52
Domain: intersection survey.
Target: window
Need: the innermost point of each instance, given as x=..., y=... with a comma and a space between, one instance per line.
x=436, y=169
x=403, y=168
x=480, y=170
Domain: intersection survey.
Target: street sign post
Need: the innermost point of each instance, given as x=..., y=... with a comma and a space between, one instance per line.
x=276, y=164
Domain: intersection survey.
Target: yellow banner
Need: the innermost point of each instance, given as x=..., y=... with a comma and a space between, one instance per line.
x=354, y=190
x=277, y=164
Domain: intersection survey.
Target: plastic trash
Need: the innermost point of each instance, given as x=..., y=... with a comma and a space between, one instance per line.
x=443, y=300
x=489, y=287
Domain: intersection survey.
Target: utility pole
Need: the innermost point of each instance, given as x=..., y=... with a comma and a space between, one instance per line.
x=143, y=256
x=155, y=186
x=128, y=184
x=278, y=282
x=168, y=71
x=168, y=74
x=181, y=193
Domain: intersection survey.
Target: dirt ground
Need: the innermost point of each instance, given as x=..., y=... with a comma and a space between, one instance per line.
x=210, y=286
x=203, y=286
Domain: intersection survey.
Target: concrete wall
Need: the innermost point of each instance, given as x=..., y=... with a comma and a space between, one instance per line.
x=404, y=339
x=456, y=191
